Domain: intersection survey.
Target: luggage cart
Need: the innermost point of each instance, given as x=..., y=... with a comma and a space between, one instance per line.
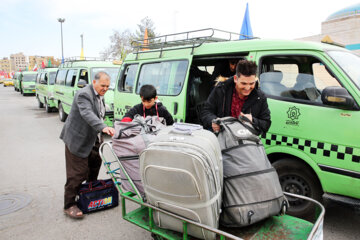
x=276, y=227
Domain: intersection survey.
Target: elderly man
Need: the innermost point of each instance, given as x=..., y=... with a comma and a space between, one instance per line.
x=82, y=137
x=238, y=96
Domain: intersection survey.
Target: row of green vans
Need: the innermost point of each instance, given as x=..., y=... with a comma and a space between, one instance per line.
x=56, y=87
x=313, y=92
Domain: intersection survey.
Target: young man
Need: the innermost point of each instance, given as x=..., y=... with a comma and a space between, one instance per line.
x=238, y=96
x=149, y=106
x=82, y=137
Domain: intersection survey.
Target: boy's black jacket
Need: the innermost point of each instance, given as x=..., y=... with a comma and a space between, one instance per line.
x=139, y=109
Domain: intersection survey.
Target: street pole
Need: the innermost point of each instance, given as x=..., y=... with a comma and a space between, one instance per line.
x=82, y=47
x=61, y=20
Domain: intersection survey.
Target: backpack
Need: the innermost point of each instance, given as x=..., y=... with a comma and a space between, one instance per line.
x=252, y=190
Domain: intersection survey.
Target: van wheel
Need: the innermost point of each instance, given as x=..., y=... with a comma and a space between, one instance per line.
x=62, y=114
x=47, y=107
x=295, y=177
x=40, y=104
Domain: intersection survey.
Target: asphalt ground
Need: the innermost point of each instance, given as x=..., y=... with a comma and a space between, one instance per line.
x=32, y=165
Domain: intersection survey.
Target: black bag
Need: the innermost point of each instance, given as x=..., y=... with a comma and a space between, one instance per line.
x=98, y=195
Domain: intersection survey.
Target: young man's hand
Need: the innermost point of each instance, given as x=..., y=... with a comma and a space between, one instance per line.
x=109, y=131
x=215, y=127
x=249, y=116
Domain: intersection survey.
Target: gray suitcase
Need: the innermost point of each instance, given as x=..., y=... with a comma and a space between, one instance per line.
x=252, y=190
x=181, y=170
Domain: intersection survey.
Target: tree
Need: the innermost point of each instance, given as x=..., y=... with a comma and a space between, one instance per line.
x=145, y=23
x=121, y=42
x=120, y=45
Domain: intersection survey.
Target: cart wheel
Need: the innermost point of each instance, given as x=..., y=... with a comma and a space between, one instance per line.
x=295, y=177
x=156, y=237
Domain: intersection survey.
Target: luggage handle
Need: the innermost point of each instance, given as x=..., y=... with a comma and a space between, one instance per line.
x=241, y=119
x=103, y=183
x=185, y=128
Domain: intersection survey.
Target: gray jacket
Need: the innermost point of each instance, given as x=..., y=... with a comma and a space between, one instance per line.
x=83, y=123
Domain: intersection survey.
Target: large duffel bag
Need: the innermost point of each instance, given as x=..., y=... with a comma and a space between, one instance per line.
x=97, y=195
x=181, y=170
x=252, y=190
x=129, y=140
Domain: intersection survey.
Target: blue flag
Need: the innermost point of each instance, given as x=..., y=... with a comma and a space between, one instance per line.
x=246, y=26
x=62, y=60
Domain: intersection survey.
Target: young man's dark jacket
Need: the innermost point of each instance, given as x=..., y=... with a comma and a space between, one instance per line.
x=162, y=111
x=219, y=102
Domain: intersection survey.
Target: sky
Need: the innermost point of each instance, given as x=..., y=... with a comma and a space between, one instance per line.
x=31, y=26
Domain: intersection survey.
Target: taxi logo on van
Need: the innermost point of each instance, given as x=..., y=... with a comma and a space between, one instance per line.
x=293, y=115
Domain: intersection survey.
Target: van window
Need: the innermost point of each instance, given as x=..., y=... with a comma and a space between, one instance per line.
x=42, y=77
x=70, y=78
x=128, y=78
x=52, y=78
x=167, y=77
x=295, y=78
x=111, y=71
x=38, y=78
x=84, y=75
x=60, y=77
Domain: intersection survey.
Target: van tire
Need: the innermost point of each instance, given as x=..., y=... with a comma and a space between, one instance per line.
x=62, y=114
x=47, y=107
x=40, y=104
x=296, y=177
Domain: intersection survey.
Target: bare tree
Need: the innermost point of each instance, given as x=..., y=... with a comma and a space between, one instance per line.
x=121, y=42
x=120, y=45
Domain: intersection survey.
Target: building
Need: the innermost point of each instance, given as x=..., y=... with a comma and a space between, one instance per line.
x=5, y=65
x=38, y=60
x=341, y=27
x=18, y=62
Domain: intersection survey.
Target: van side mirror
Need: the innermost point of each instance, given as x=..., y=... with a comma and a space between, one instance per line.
x=81, y=83
x=338, y=97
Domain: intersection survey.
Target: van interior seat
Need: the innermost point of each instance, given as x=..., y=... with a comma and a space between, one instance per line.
x=305, y=84
x=270, y=83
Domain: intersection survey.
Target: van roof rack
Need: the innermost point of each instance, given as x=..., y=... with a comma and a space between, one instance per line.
x=182, y=40
x=70, y=60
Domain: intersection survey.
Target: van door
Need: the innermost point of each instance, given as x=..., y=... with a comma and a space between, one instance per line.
x=314, y=146
x=69, y=89
x=59, y=87
x=169, y=78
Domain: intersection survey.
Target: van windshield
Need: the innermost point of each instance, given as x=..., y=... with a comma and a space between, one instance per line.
x=29, y=78
x=112, y=71
x=349, y=62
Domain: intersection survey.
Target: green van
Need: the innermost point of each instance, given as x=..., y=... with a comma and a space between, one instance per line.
x=45, y=80
x=313, y=92
x=75, y=74
x=26, y=82
x=16, y=81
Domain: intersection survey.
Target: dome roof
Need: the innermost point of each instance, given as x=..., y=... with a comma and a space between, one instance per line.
x=348, y=11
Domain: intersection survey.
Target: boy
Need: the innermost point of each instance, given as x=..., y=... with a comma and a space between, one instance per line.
x=149, y=106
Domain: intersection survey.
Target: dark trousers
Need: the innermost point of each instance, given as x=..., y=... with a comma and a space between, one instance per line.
x=78, y=170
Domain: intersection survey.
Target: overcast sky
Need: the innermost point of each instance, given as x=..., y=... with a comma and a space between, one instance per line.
x=31, y=26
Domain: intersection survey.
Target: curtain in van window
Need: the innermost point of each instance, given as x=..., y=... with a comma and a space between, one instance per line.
x=167, y=77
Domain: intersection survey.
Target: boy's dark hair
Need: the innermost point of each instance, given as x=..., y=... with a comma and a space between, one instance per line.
x=148, y=92
x=246, y=68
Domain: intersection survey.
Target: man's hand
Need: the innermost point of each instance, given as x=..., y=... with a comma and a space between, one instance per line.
x=249, y=116
x=215, y=127
x=109, y=131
